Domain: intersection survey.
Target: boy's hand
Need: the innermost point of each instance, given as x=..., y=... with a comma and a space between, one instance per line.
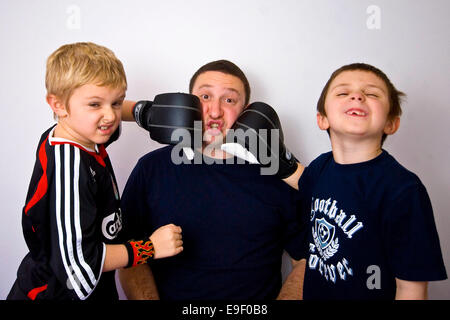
x=167, y=241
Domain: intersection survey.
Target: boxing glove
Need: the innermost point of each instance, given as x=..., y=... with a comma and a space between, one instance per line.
x=257, y=137
x=167, y=113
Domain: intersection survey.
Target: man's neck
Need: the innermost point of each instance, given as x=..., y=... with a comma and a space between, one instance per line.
x=214, y=152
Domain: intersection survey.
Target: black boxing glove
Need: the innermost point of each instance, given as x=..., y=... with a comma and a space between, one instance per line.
x=167, y=113
x=257, y=137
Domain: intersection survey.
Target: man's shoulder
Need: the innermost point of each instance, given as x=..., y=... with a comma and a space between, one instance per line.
x=159, y=153
x=160, y=156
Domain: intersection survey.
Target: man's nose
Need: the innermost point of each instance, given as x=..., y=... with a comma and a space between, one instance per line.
x=215, y=109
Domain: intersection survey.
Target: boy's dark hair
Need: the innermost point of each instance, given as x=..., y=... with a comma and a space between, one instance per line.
x=395, y=96
x=226, y=67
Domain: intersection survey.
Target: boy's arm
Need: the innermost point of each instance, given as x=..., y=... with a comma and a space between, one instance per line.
x=127, y=110
x=411, y=290
x=293, y=179
x=292, y=288
x=116, y=257
x=165, y=242
x=138, y=283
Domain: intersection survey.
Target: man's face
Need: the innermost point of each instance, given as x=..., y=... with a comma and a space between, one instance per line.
x=222, y=97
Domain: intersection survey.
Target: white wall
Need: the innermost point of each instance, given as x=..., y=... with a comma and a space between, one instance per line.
x=287, y=48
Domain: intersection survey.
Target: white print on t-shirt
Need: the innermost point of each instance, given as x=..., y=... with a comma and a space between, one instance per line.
x=326, y=243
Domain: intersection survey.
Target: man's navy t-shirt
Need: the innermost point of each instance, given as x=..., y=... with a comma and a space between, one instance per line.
x=235, y=224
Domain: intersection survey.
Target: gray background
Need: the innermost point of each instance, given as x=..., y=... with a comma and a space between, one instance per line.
x=287, y=48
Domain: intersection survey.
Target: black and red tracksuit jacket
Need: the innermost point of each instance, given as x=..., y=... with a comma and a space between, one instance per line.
x=72, y=211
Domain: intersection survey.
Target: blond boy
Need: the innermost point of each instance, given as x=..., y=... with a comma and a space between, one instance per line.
x=71, y=219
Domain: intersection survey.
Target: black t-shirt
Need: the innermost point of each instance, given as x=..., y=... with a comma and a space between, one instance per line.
x=369, y=223
x=235, y=224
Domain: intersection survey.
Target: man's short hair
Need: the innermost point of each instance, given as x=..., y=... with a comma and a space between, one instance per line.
x=226, y=67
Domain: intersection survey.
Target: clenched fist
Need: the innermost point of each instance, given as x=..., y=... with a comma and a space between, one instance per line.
x=167, y=241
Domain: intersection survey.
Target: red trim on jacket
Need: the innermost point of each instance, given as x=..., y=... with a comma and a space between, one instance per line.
x=34, y=292
x=43, y=182
x=99, y=157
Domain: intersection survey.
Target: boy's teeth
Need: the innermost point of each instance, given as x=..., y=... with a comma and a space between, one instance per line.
x=214, y=125
x=358, y=113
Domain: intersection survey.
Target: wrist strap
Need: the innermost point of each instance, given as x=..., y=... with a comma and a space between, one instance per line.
x=287, y=165
x=139, y=252
x=139, y=109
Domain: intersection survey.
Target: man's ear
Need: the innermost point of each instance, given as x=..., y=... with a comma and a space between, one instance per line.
x=322, y=121
x=58, y=107
x=392, y=126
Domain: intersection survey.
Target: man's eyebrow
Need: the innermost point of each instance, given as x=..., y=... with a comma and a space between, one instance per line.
x=205, y=86
x=234, y=90
x=210, y=86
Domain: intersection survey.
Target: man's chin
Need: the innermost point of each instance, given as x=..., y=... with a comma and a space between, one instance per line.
x=213, y=144
x=213, y=139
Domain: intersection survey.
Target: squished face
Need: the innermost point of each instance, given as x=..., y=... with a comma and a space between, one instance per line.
x=222, y=97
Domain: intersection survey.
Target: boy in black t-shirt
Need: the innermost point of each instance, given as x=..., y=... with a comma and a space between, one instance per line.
x=72, y=218
x=371, y=231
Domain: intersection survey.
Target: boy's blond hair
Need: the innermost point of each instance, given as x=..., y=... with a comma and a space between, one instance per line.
x=74, y=65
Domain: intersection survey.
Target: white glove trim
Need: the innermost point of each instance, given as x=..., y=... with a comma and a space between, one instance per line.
x=239, y=151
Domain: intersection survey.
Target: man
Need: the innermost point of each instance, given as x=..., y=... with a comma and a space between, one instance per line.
x=235, y=221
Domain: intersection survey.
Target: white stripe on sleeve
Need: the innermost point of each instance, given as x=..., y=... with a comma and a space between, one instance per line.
x=74, y=283
x=79, y=235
